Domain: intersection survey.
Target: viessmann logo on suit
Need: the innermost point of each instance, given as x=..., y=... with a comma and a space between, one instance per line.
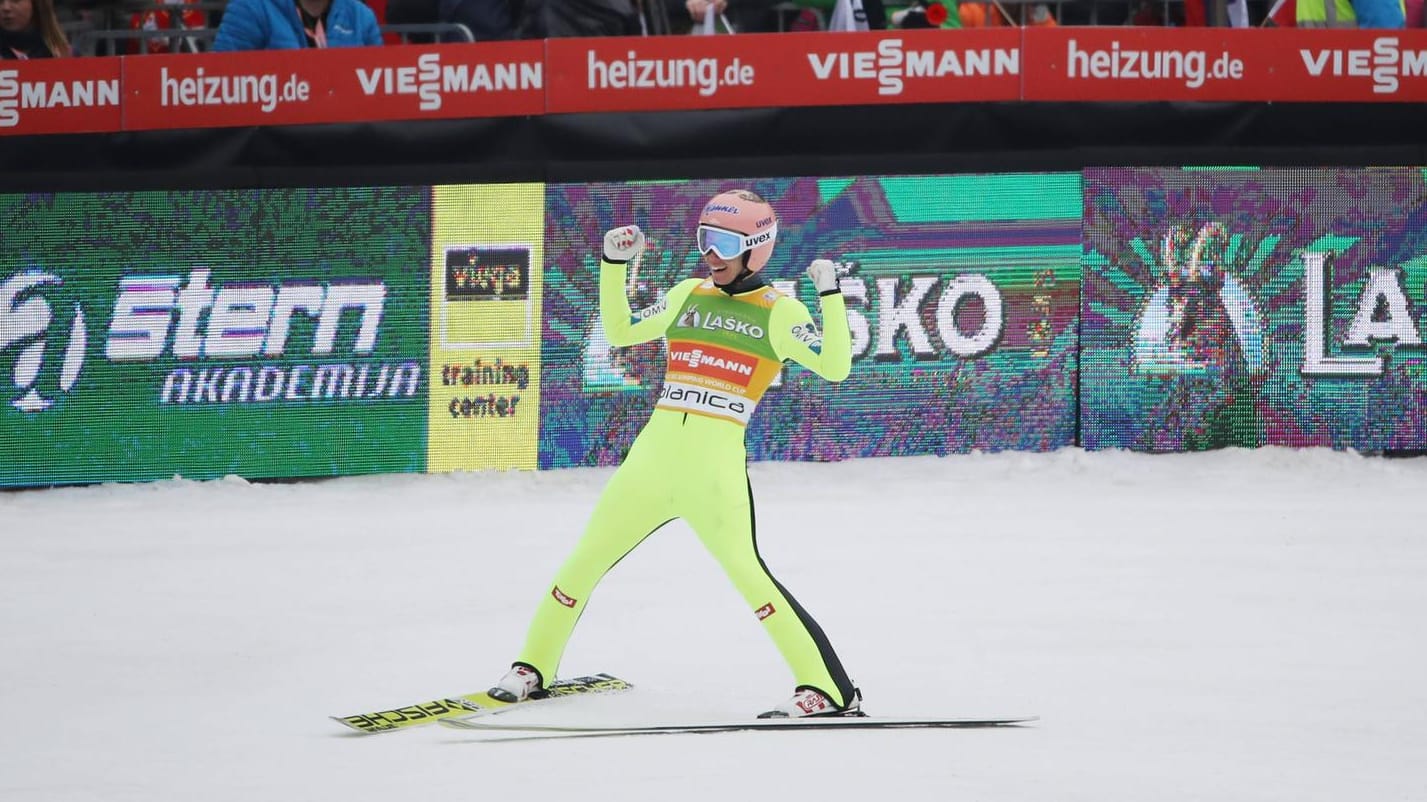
x=711, y=362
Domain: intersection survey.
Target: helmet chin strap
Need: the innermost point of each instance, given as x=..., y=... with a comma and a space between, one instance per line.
x=739, y=282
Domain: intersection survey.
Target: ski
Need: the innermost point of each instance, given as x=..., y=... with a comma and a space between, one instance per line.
x=514, y=729
x=474, y=704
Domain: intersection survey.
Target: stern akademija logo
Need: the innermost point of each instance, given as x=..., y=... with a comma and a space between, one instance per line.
x=27, y=326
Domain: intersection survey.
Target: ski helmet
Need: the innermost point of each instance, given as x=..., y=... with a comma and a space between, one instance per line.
x=738, y=221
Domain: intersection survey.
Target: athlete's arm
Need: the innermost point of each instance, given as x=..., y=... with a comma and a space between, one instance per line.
x=623, y=326
x=793, y=335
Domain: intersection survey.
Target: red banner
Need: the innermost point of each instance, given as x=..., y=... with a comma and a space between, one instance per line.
x=772, y=70
x=1352, y=66
x=491, y=79
x=287, y=87
x=1210, y=64
x=67, y=95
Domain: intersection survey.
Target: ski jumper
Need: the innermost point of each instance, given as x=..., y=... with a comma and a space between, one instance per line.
x=689, y=460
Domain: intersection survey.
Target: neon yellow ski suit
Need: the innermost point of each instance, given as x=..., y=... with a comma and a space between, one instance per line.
x=690, y=462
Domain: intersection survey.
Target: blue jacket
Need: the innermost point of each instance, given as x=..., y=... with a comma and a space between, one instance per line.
x=276, y=25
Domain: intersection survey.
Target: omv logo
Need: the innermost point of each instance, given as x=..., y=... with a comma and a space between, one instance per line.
x=26, y=322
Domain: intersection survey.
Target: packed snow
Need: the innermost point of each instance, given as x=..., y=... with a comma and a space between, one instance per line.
x=1235, y=625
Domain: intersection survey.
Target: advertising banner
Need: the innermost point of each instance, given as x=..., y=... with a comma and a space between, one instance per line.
x=285, y=87
x=769, y=70
x=487, y=258
x=962, y=297
x=1245, y=307
x=675, y=73
x=268, y=333
x=1224, y=64
x=1356, y=66
x=48, y=96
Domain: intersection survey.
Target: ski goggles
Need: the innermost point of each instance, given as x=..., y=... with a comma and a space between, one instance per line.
x=729, y=244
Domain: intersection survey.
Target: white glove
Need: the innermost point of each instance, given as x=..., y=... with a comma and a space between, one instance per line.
x=623, y=243
x=823, y=272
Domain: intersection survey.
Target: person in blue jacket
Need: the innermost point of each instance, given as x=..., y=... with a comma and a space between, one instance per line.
x=294, y=24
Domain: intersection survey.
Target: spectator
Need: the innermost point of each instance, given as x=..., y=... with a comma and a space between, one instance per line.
x=1351, y=14
x=172, y=18
x=488, y=20
x=289, y=25
x=994, y=15
x=930, y=14
x=547, y=19
x=745, y=16
x=765, y=16
x=29, y=29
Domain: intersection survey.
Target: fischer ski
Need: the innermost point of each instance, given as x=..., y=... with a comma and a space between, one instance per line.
x=474, y=704
x=517, y=730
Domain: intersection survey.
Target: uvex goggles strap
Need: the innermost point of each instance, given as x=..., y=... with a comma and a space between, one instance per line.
x=728, y=244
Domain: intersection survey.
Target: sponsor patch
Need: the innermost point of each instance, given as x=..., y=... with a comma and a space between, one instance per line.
x=702, y=401
x=765, y=611
x=694, y=318
x=561, y=597
x=651, y=311
x=807, y=334
x=712, y=362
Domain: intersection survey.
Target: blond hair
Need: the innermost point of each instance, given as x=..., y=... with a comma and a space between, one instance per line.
x=43, y=17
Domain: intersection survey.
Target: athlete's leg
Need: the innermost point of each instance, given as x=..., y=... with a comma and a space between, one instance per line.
x=634, y=504
x=723, y=519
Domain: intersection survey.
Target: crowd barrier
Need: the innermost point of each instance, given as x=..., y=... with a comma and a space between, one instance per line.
x=563, y=76
x=320, y=331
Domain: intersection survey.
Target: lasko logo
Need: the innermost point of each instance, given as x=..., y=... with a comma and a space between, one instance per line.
x=16, y=95
x=890, y=64
x=25, y=322
x=1382, y=323
x=1385, y=63
x=430, y=79
x=693, y=319
x=1200, y=316
x=251, y=319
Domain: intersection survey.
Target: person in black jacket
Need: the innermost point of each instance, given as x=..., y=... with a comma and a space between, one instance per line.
x=29, y=29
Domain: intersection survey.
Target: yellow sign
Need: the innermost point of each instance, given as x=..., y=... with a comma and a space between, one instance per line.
x=487, y=257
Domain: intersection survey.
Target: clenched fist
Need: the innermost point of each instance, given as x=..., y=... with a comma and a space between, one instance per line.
x=623, y=243
x=823, y=272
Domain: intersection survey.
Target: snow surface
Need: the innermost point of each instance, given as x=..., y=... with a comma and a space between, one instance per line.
x=1237, y=625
